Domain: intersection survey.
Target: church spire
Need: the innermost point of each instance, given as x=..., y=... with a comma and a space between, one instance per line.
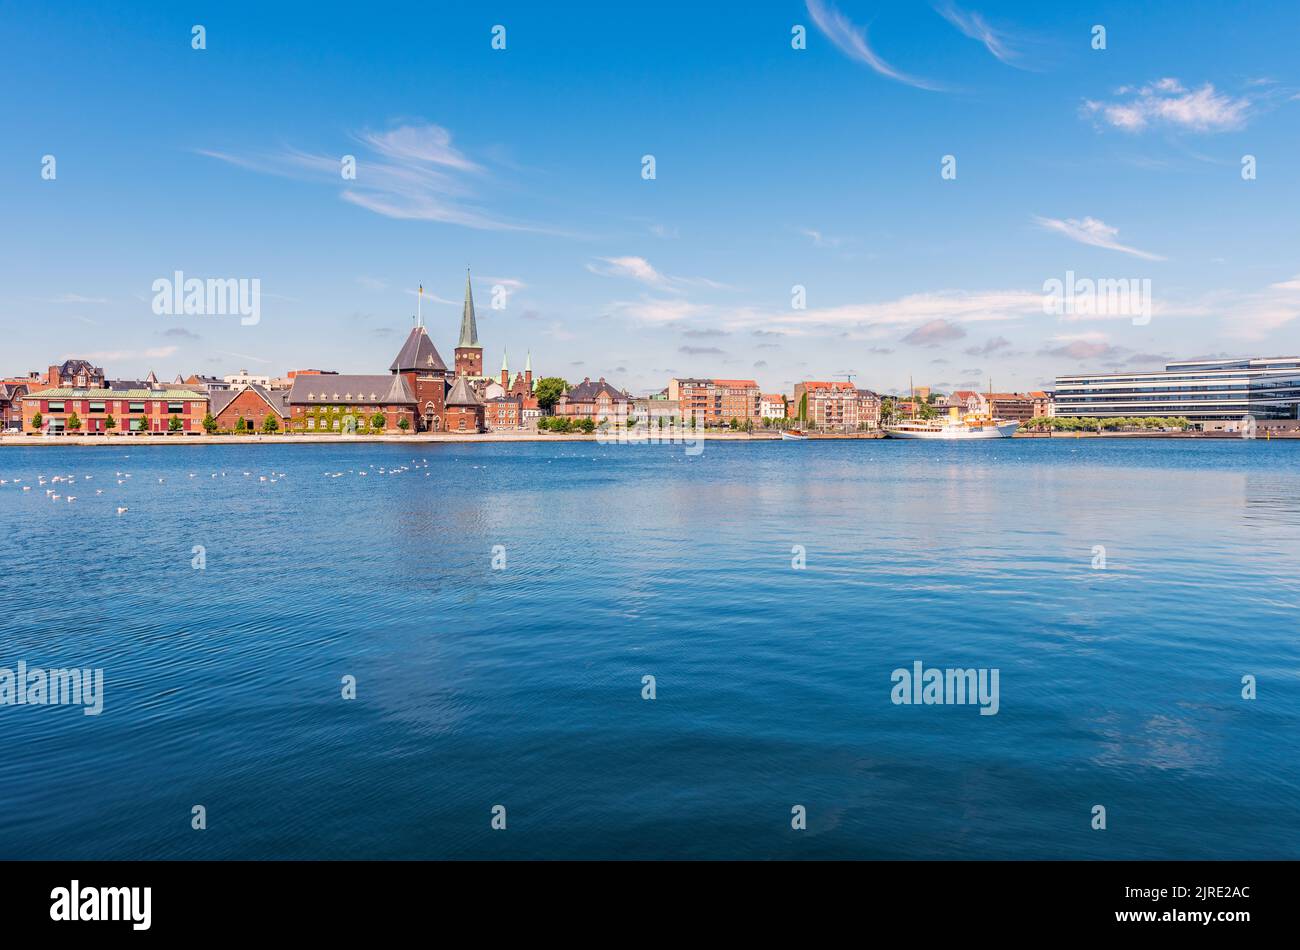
x=505, y=367
x=528, y=362
x=468, y=326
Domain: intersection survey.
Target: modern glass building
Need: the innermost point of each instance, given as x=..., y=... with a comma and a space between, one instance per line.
x=1201, y=390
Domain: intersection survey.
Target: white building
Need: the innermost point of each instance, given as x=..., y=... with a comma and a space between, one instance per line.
x=244, y=378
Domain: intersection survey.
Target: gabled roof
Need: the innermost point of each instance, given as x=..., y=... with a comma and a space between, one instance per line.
x=340, y=389
x=277, y=399
x=418, y=354
x=587, y=391
x=462, y=394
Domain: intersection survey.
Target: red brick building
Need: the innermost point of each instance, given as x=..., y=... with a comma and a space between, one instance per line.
x=419, y=363
x=133, y=410
x=715, y=402
x=75, y=374
x=252, y=404
x=464, y=408
x=469, y=355
x=345, y=402
x=835, y=406
x=599, y=401
x=11, y=405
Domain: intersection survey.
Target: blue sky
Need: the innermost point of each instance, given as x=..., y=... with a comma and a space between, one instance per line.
x=775, y=167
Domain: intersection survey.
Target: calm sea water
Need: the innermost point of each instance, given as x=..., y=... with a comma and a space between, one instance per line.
x=522, y=686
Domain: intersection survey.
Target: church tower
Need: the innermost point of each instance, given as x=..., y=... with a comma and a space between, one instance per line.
x=469, y=355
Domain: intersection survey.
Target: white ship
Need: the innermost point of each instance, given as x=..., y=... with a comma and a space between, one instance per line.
x=953, y=429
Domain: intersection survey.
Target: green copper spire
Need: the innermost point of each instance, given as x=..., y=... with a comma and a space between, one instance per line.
x=505, y=368
x=528, y=362
x=468, y=326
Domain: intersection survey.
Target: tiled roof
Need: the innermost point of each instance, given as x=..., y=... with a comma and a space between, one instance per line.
x=277, y=399
x=587, y=391
x=462, y=394
x=381, y=389
x=417, y=353
x=65, y=393
x=744, y=383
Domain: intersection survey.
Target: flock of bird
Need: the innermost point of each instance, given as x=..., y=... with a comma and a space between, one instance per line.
x=59, y=487
x=383, y=470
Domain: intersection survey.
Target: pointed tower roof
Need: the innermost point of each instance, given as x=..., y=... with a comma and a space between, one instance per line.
x=462, y=394
x=505, y=368
x=528, y=362
x=418, y=354
x=468, y=326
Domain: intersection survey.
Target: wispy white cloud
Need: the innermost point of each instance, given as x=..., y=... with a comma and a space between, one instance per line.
x=1167, y=102
x=852, y=41
x=977, y=28
x=1256, y=316
x=657, y=310
x=245, y=356
x=1095, y=233
x=412, y=172
x=641, y=270
x=819, y=239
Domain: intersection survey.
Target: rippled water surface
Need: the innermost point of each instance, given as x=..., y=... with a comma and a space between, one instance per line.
x=522, y=686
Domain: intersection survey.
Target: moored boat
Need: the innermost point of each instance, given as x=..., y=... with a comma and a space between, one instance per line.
x=794, y=435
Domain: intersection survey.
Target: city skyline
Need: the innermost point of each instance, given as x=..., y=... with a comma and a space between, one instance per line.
x=775, y=168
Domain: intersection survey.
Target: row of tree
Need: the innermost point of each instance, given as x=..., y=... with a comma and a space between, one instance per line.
x=561, y=424
x=1117, y=423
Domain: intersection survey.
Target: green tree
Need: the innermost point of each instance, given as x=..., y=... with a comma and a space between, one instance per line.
x=548, y=391
x=74, y=422
x=927, y=411
x=143, y=423
x=37, y=420
x=209, y=424
x=803, y=408
x=377, y=421
x=588, y=425
x=270, y=423
x=403, y=423
x=241, y=425
x=109, y=422
x=174, y=424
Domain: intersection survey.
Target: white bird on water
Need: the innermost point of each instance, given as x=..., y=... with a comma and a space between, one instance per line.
x=72, y=498
x=121, y=510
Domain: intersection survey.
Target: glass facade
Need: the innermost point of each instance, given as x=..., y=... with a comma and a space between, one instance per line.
x=1201, y=390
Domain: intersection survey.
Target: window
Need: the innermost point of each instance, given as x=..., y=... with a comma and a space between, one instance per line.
x=97, y=407
x=175, y=407
x=56, y=407
x=137, y=407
